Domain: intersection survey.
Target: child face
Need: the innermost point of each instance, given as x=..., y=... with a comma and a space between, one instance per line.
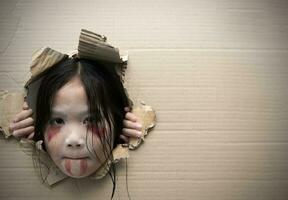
x=70, y=137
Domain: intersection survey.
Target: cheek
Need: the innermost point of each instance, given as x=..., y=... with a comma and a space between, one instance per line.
x=99, y=131
x=100, y=141
x=52, y=131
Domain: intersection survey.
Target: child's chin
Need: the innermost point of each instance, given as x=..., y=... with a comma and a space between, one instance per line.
x=77, y=175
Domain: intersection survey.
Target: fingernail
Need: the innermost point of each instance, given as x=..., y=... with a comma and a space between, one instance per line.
x=139, y=125
x=11, y=126
x=125, y=145
x=139, y=133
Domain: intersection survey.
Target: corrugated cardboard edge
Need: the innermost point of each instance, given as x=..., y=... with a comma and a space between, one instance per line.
x=43, y=59
x=94, y=46
x=147, y=117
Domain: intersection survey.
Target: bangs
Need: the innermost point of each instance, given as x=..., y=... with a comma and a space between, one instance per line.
x=105, y=94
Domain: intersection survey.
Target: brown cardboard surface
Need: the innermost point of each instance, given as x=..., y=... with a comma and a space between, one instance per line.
x=214, y=70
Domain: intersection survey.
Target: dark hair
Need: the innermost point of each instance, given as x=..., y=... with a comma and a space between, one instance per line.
x=105, y=94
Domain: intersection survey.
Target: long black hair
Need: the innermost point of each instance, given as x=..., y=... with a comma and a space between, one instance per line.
x=105, y=94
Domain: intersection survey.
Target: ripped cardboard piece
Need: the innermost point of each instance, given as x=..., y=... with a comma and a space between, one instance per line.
x=121, y=151
x=147, y=117
x=42, y=60
x=94, y=46
x=10, y=104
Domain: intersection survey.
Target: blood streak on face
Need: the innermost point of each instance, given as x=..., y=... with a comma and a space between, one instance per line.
x=96, y=130
x=68, y=166
x=83, y=166
x=52, y=131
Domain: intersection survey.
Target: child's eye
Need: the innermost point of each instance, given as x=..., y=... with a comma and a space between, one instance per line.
x=56, y=121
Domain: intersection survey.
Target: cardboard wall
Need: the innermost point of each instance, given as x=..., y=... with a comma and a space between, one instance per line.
x=214, y=70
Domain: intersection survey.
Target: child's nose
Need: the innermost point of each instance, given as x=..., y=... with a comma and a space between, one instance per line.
x=74, y=143
x=74, y=139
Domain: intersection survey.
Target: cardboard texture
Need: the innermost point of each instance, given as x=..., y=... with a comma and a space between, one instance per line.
x=42, y=59
x=215, y=71
x=94, y=46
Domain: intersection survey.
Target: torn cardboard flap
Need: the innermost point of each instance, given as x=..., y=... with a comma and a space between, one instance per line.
x=43, y=59
x=120, y=152
x=10, y=104
x=147, y=117
x=94, y=46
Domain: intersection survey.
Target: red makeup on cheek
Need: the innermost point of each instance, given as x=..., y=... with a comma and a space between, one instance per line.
x=96, y=130
x=52, y=131
x=83, y=166
x=68, y=166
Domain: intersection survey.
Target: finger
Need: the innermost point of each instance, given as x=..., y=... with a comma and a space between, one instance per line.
x=25, y=106
x=126, y=109
x=124, y=138
x=31, y=136
x=23, y=132
x=131, y=133
x=23, y=115
x=23, y=124
x=132, y=125
x=11, y=126
x=132, y=117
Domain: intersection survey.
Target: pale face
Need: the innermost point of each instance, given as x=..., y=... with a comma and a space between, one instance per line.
x=69, y=135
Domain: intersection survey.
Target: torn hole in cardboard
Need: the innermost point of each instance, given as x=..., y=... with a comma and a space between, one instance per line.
x=91, y=46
